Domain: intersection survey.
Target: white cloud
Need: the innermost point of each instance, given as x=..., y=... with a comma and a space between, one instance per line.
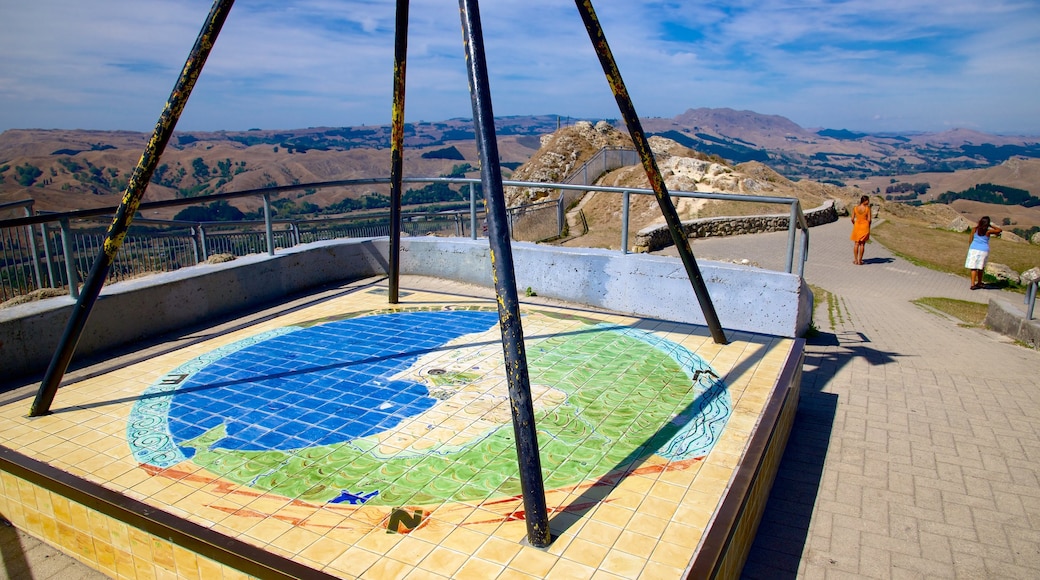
x=289, y=63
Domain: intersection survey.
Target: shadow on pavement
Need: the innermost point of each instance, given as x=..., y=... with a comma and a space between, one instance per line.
x=15, y=563
x=780, y=541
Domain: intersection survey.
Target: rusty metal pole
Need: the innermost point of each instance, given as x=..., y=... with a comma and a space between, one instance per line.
x=397, y=148
x=135, y=189
x=530, y=463
x=653, y=173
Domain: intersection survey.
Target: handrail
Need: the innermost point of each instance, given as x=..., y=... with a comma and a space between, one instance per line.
x=797, y=220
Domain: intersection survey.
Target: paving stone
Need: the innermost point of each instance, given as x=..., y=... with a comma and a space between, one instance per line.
x=956, y=455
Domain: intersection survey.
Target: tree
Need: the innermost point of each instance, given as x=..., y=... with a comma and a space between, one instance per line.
x=27, y=174
x=218, y=211
x=199, y=169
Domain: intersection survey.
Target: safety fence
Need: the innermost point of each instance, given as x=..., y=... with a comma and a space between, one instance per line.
x=57, y=250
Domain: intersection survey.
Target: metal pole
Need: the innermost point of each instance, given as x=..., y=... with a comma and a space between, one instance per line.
x=635, y=129
x=1031, y=300
x=526, y=436
x=31, y=231
x=804, y=255
x=561, y=216
x=202, y=243
x=135, y=189
x=268, y=226
x=52, y=272
x=195, y=246
x=472, y=211
x=624, y=222
x=397, y=148
x=792, y=227
x=70, y=259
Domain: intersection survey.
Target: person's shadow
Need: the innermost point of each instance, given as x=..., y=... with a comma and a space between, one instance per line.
x=878, y=260
x=782, y=534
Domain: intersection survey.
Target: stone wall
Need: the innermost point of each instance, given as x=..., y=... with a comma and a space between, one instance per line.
x=657, y=237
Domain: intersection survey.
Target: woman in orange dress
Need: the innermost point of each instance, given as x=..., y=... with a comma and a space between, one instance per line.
x=860, y=229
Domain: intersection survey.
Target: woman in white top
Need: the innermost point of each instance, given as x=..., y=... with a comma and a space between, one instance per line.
x=978, y=251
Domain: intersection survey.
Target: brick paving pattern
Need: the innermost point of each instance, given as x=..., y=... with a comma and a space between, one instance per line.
x=916, y=448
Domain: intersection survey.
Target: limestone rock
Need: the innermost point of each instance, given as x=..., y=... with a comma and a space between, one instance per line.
x=220, y=258
x=1011, y=236
x=1035, y=239
x=960, y=225
x=841, y=207
x=1002, y=272
x=1030, y=276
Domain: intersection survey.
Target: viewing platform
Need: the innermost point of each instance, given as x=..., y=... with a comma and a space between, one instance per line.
x=324, y=432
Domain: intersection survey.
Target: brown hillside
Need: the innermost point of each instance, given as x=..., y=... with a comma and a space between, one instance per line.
x=89, y=169
x=1019, y=172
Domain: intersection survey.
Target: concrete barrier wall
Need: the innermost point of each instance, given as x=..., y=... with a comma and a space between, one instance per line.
x=746, y=299
x=1010, y=320
x=131, y=311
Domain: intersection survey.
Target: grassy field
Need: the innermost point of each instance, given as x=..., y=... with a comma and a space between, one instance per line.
x=945, y=250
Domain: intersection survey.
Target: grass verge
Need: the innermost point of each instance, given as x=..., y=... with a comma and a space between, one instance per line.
x=969, y=313
x=944, y=250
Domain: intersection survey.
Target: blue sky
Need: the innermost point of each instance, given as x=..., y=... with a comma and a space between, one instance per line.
x=865, y=65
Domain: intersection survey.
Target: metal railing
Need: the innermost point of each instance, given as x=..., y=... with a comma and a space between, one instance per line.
x=44, y=250
x=605, y=160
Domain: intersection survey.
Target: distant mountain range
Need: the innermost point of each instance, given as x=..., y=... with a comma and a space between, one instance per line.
x=831, y=155
x=68, y=169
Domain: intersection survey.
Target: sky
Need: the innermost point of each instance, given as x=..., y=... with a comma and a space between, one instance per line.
x=862, y=65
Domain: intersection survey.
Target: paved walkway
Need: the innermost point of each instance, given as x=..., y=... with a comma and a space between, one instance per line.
x=916, y=449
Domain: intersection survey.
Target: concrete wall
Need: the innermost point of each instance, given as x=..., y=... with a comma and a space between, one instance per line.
x=127, y=312
x=1010, y=320
x=748, y=299
x=745, y=299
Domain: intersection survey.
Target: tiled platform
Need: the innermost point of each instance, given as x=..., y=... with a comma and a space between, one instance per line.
x=363, y=439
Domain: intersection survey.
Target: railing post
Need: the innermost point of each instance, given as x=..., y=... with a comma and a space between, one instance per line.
x=52, y=272
x=792, y=227
x=1031, y=300
x=268, y=226
x=32, y=247
x=561, y=217
x=472, y=211
x=203, y=243
x=624, y=222
x=805, y=254
x=195, y=245
x=70, y=259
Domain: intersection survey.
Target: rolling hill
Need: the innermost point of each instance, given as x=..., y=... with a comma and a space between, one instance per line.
x=69, y=169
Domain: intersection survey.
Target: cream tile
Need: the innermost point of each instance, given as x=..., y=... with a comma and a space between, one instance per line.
x=475, y=569
x=443, y=561
x=622, y=564
x=355, y=562
x=535, y=562
x=585, y=552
